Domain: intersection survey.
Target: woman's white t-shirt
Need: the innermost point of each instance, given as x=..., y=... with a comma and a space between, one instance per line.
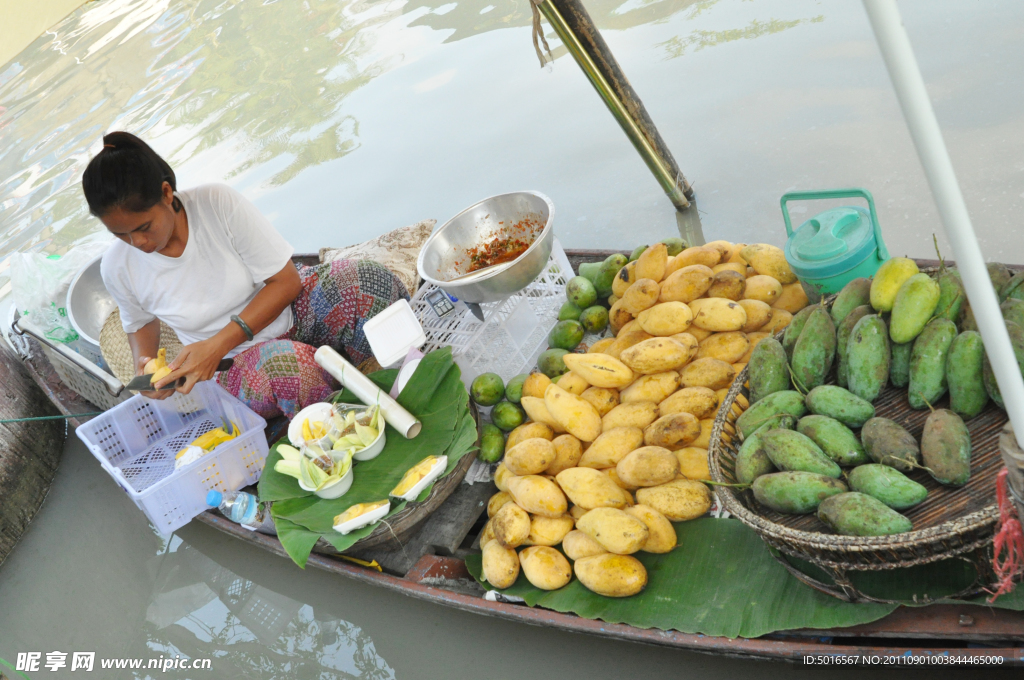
x=231, y=250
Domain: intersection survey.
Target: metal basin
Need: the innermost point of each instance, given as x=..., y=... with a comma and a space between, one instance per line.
x=89, y=303
x=445, y=255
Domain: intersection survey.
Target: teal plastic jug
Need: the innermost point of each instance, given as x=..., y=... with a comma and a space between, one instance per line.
x=836, y=246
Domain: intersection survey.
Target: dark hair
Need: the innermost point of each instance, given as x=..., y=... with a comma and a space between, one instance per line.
x=126, y=174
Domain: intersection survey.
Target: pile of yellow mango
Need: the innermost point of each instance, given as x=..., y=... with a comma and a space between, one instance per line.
x=615, y=449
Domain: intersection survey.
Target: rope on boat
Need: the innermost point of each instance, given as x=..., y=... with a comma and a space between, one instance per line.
x=73, y=415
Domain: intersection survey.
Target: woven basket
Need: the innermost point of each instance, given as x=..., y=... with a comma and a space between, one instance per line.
x=951, y=522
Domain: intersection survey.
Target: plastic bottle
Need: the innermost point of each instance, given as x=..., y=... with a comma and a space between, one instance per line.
x=242, y=507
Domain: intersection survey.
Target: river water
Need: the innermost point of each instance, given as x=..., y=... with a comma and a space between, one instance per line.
x=343, y=120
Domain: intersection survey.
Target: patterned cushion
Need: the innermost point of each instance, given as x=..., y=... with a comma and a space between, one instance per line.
x=397, y=250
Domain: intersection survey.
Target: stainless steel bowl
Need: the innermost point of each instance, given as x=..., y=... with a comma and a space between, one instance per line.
x=445, y=254
x=89, y=304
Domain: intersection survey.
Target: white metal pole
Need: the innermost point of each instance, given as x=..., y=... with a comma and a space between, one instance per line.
x=924, y=128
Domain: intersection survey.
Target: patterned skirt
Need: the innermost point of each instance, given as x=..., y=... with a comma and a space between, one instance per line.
x=280, y=377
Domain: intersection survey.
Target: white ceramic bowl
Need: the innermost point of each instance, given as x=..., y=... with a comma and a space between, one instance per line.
x=336, y=490
x=319, y=412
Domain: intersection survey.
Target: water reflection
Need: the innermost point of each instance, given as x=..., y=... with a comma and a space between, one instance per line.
x=201, y=609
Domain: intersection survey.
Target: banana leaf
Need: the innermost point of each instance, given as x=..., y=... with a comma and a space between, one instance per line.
x=435, y=394
x=720, y=581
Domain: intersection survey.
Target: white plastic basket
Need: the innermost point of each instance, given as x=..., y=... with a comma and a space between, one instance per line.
x=82, y=383
x=136, y=442
x=514, y=331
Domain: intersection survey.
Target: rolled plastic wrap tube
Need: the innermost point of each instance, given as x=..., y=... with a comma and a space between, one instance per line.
x=349, y=376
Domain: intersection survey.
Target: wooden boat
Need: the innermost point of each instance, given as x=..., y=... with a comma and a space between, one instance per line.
x=429, y=565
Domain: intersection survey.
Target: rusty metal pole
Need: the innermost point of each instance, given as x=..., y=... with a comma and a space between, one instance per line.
x=584, y=42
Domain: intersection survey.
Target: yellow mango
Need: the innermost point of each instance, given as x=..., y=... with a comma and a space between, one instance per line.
x=568, y=452
x=648, y=466
x=578, y=545
x=780, y=319
x=724, y=248
x=707, y=372
x=500, y=565
x=657, y=355
x=497, y=501
x=611, y=575
x=631, y=326
x=651, y=263
x=763, y=288
x=576, y=512
x=728, y=347
x=727, y=284
x=615, y=530
x=674, y=431
x=640, y=296
x=619, y=482
x=511, y=525
x=603, y=399
x=737, y=267
x=576, y=415
x=618, y=317
x=666, y=318
x=601, y=345
x=686, y=284
x=624, y=279
x=792, y=299
x=626, y=340
x=702, y=255
x=652, y=387
x=735, y=254
x=538, y=413
x=718, y=314
x=701, y=402
x=501, y=476
x=888, y=280
x=611, y=447
x=589, y=488
x=545, y=568
x=693, y=463
x=487, y=534
x=758, y=314
x=703, y=440
x=528, y=431
x=661, y=536
x=535, y=385
x=529, y=457
x=769, y=260
x=572, y=382
x=599, y=370
x=538, y=496
x=639, y=414
x=698, y=334
x=679, y=500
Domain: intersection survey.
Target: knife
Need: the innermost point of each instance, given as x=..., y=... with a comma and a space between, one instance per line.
x=144, y=383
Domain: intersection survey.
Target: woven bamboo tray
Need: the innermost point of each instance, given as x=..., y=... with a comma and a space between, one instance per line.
x=950, y=522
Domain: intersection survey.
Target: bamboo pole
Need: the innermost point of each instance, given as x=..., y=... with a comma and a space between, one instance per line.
x=906, y=77
x=580, y=36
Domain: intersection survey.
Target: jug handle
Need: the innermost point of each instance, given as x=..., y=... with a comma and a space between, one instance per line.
x=883, y=252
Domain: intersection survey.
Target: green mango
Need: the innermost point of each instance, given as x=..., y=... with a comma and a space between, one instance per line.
x=1013, y=310
x=1000, y=275
x=857, y=514
x=752, y=460
x=675, y=245
x=569, y=311
x=795, y=327
x=843, y=338
x=967, y=321
x=769, y=409
x=946, y=448
x=580, y=291
x=769, y=372
x=965, y=368
x=840, y=404
x=951, y=295
x=1014, y=288
x=507, y=416
x=887, y=443
x=795, y=493
x=868, y=358
x=856, y=293
x=492, y=444
x=815, y=350
x=514, y=388
x=609, y=268
x=551, y=364
x=794, y=452
x=899, y=365
x=915, y=303
x=590, y=270
x=928, y=363
x=886, y=484
x=988, y=375
x=836, y=440
x=637, y=252
x=566, y=335
x=594, y=319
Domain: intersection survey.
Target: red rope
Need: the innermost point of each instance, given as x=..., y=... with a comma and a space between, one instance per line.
x=1008, y=553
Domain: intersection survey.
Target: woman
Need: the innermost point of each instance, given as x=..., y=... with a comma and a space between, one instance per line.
x=209, y=265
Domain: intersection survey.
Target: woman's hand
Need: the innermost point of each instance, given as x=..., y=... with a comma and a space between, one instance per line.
x=196, y=362
x=140, y=369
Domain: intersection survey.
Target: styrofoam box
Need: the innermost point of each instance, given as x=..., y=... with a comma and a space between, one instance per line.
x=136, y=443
x=514, y=331
x=393, y=332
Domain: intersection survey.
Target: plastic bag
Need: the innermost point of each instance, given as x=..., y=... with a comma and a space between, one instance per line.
x=39, y=285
